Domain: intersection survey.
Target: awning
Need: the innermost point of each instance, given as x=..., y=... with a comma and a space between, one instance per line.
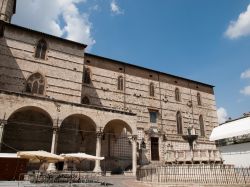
x=230, y=129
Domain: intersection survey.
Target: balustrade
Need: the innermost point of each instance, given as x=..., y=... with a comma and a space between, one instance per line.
x=185, y=156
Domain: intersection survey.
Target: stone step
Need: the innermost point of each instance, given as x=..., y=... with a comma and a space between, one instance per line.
x=16, y=184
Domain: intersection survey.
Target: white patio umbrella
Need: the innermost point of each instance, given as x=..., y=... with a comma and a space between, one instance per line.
x=72, y=157
x=80, y=157
x=40, y=156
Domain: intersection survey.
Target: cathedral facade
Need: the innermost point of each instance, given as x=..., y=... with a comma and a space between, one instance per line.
x=56, y=97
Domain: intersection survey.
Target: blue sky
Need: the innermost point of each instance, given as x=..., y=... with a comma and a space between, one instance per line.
x=207, y=41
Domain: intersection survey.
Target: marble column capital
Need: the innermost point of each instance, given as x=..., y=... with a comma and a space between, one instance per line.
x=99, y=134
x=55, y=129
x=134, y=137
x=56, y=122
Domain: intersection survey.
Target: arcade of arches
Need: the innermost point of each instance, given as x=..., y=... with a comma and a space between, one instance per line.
x=32, y=128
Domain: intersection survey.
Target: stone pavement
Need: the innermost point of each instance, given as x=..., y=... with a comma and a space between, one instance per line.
x=113, y=181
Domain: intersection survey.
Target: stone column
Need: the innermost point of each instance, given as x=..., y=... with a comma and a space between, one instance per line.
x=52, y=166
x=98, y=151
x=134, y=150
x=54, y=140
x=2, y=124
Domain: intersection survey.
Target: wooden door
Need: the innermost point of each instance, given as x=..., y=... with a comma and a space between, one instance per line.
x=154, y=148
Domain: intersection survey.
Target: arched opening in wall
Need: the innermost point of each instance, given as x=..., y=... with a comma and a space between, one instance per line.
x=179, y=123
x=199, y=99
x=120, y=83
x=202, y=128
x=28, y=129
x=87, y=76
x=151, y=89
x=117, y=147
x=41, y=49
x=78, y=134
x=177, y=94
x=35, y=84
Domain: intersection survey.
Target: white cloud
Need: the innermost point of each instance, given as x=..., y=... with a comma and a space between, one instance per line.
x=245, y=74
x=58, y=17
x=95, y=7
x=240, y=27
x=222, y=115
x=246, y=91
x=115, y=8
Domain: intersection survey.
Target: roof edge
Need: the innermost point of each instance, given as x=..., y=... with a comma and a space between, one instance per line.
x=144, y=68
x=48, y=35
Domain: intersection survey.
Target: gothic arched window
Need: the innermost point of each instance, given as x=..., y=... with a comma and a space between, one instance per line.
x=120, y=83
x=179, y=122
x=151, y=89
x=85, y=100
x=199, y=98
x=41, y=49
x=202, y=128
x=35, y=84
x=177, y=94
x=86, y=78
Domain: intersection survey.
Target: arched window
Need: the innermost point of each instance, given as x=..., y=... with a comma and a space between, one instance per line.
x=202, y=129
x=151, y=89
x=41, y=49
x=199, y=98
x=85, y=100
x=86, y=78
x=179, y=122
x=35, y=84
x=120, y=83
x=177, y=94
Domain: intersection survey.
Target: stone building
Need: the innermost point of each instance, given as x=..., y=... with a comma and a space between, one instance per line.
x=56, y=97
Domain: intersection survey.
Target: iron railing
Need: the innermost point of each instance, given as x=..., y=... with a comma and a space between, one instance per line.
x=201, y=174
